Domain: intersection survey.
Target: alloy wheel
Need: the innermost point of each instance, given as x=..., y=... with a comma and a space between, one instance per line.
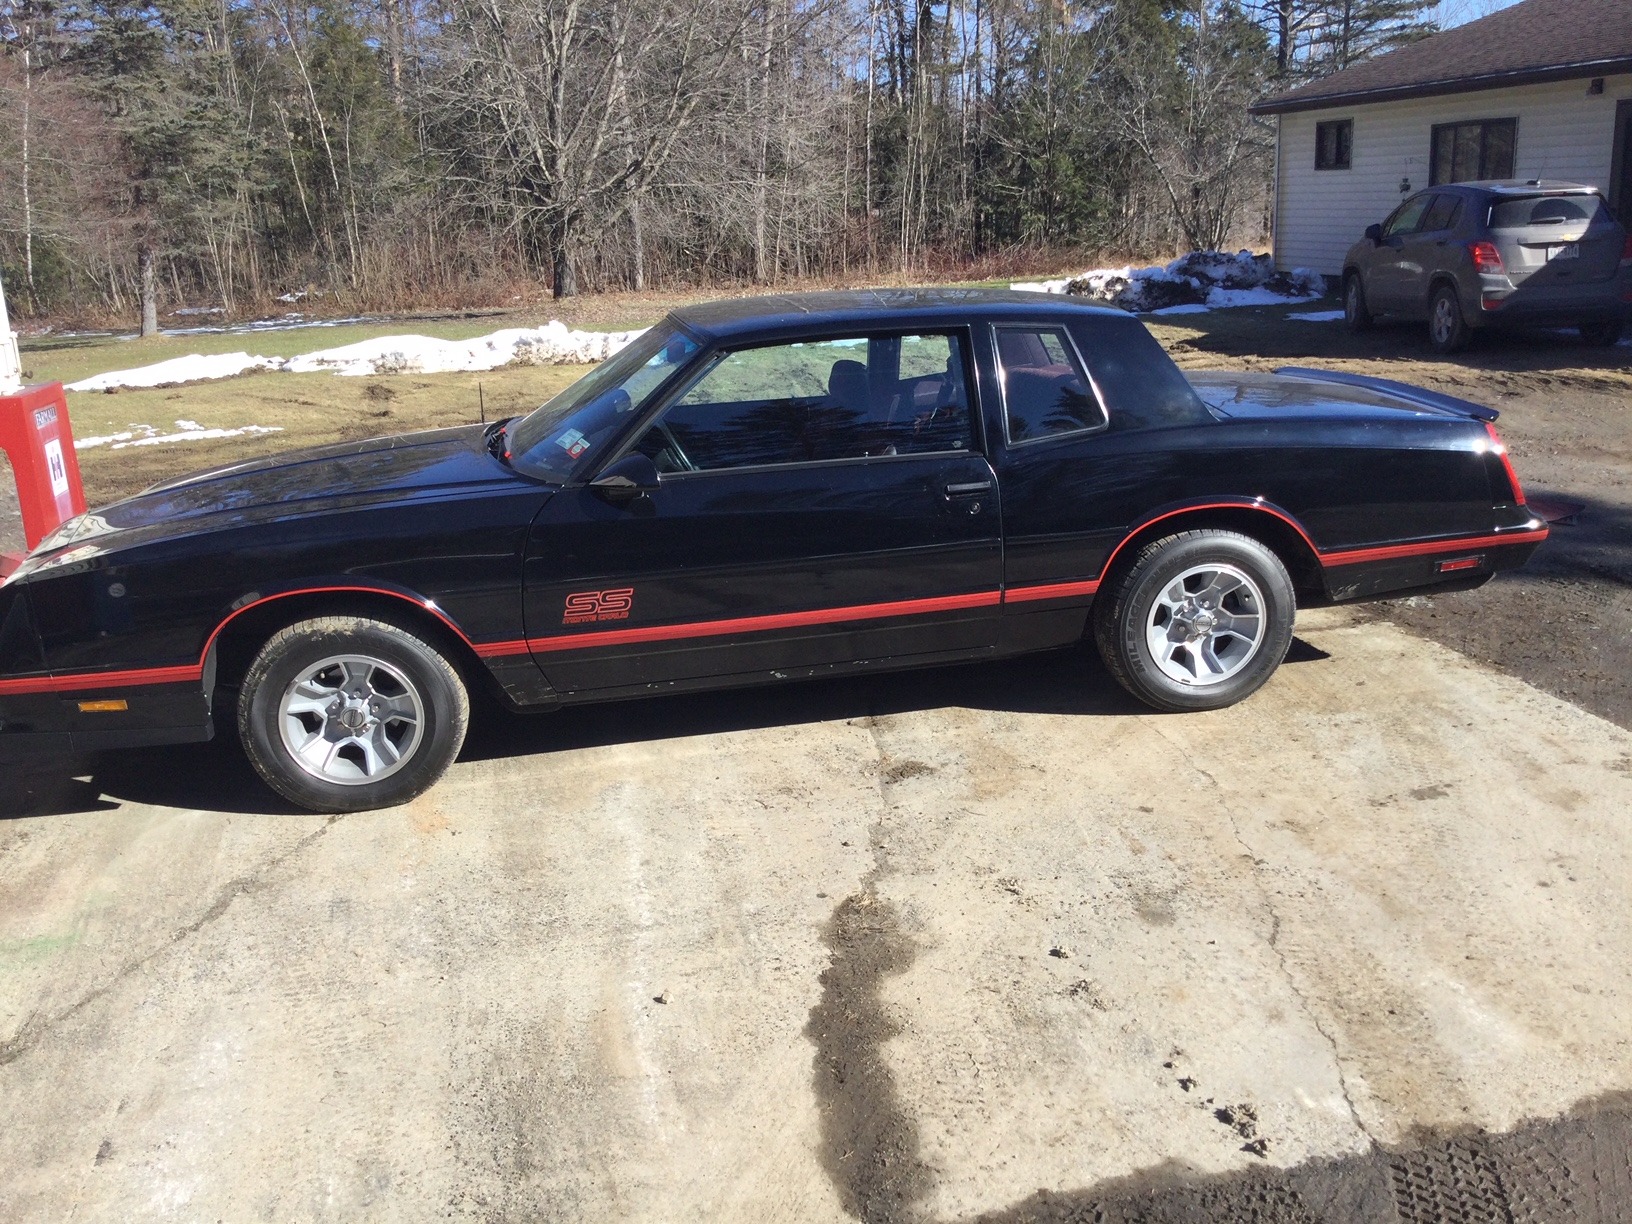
x=1206, y=625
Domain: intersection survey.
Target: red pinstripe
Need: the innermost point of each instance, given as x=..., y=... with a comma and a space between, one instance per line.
x=1358, y=556
x=1052, y=590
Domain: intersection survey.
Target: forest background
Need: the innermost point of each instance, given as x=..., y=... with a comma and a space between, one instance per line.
x=397, y=154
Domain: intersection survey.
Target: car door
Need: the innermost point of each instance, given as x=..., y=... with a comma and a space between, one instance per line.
x=1428, y=249
x=820, y=503
x=1389, y=285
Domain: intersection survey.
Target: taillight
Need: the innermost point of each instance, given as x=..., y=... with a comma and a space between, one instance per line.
x=1486, y=258
x=1500, y=448
x=1626, y=252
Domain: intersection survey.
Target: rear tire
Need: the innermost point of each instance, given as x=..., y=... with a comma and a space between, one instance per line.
x=1199, y=621
x=1447, y=329
x=345, y=714
x=1356, y=314
x=1601, y=333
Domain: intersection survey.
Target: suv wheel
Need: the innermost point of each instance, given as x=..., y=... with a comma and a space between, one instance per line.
x=1356, y=314
x=1199, y=621
x=343, y=714
x=1447, y=329
x=1600, y=333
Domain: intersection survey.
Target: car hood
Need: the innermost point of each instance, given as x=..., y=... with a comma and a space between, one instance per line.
x=352, y=475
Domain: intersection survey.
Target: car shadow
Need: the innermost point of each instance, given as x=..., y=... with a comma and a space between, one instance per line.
x=217, y=777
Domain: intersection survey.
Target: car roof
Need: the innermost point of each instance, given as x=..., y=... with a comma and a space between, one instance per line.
x=1529, y=187
x=790, y=313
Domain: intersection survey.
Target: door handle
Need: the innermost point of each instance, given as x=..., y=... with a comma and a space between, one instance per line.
x=969, y=488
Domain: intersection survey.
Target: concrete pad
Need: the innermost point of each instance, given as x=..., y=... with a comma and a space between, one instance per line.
x=924, y=945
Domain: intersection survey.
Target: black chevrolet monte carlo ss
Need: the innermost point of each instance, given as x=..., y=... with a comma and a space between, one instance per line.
x=753, y=491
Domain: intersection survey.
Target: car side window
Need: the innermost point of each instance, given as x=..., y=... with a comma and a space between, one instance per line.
x=1046, y=390
x=1443, y=215
x=1407, y=216
x=810, y=401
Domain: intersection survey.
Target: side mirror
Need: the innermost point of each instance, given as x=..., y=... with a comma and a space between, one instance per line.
x=633, y=476
x=1375, y=233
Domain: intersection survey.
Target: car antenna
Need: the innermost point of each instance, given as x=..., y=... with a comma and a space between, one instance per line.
x=481, y=403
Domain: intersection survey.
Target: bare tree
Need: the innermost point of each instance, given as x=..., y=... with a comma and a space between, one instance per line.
x=564, y=111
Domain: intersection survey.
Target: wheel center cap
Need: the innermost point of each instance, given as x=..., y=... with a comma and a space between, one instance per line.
x=353, y=718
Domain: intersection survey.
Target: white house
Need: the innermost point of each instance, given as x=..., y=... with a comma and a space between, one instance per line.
x=1539, y=90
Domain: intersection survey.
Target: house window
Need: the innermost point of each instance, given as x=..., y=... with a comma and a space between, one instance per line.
x=1478, y=149
x=1334, y=140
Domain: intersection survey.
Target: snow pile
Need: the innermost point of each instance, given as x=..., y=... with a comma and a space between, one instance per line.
x=195, y=368
x=186, y=431
x=552, y=344
x=1316, y=316
x=1201, y=280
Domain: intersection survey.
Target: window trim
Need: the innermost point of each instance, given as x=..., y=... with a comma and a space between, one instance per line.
x=1436, y=131
x=1003, y=386
x=1347, y=163
x=710, y=358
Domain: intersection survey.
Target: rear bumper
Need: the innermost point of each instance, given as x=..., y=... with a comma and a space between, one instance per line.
x=1554, y=305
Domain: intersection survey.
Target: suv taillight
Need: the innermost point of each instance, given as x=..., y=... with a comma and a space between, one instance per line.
x=1500, y=448
x=1486, y=258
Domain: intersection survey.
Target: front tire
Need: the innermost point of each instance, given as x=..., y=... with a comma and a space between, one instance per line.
x=345, y=714
x=1356, y=314
x=1199, y=621
x=1447, y=328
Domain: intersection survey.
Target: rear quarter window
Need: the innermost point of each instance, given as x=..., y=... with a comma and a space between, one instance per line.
x=1138, y=381
x=1526, y=211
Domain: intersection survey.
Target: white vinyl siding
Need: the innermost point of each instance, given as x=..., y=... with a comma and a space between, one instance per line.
x=1564, y=133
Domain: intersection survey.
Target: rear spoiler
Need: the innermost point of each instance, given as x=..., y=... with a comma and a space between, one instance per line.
x=1404, y=391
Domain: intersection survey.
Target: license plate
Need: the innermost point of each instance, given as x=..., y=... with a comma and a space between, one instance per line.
x=1568, y=251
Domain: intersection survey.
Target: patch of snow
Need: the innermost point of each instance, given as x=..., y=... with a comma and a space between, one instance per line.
x=186, y=431
x=552, y=344
x=183, y=311
x=1188, y=308
x=193, y=368
x=1317, y=316
x=1208, y=280
x=1050, y=286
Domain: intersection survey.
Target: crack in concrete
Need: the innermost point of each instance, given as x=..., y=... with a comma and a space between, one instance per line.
x=1274, y=936
x=36, y=1028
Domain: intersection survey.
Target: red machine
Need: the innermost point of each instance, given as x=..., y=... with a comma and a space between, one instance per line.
x=36, y=436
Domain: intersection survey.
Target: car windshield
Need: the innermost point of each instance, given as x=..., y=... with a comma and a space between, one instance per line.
x=558, y=440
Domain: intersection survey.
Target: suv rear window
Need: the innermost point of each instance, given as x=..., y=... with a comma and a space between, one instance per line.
x=1548, y=210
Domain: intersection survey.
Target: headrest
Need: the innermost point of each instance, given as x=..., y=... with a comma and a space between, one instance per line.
x=847, y=385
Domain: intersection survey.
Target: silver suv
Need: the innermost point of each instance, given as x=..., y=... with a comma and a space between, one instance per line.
x=1475, y=255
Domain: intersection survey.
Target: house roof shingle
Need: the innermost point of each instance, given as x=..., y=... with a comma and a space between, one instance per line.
x=1535, y=40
